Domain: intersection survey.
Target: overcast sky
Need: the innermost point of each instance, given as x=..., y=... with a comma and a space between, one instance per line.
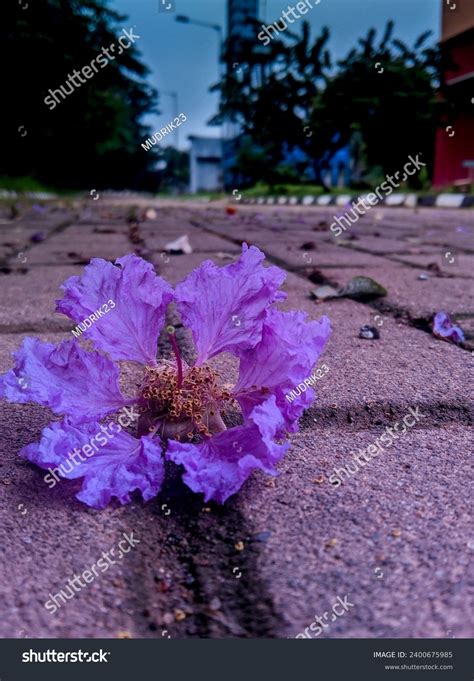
x=183, y=58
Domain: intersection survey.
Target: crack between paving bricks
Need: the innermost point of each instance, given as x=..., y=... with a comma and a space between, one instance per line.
x=34, y=328
x=419, y=323
x=407, y=263
x=5, y=261
x=379, y=415
x=247, y=608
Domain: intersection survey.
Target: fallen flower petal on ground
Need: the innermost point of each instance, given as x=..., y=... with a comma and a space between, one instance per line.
x=444, y=328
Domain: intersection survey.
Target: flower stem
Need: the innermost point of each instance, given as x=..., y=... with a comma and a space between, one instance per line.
x=179, y=362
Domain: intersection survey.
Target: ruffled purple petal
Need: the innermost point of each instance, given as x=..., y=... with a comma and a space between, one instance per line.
x=225, y=306
x=58, y=441
x=111, y=461
x=292, y=411
x=220, y=465
x=444, y=328
x=284, y=358
x=129, y=303
x=65, y=378
x=124, y=465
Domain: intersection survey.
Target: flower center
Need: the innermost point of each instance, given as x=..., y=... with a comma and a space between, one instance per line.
x=190, y=397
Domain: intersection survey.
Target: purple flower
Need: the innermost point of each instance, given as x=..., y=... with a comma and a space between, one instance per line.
x=445, y=329
x=182, y=407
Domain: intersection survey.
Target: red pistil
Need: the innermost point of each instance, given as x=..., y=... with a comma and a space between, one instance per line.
x=179, y=362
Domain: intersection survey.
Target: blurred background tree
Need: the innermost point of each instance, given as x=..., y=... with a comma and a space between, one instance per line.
x=386, y=93
x=269, y=96
x=289, y=102
x=91, y=139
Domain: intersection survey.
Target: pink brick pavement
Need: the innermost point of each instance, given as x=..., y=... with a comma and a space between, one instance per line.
x=396, y=538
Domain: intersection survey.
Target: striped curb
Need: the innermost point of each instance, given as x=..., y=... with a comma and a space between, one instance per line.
x=344, y=200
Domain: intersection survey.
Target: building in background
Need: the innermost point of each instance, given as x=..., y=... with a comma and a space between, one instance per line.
x=454, y=153
x=205, y=159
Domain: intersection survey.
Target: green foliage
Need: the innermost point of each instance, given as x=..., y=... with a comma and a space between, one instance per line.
x=262, y=189
x=91, y=139
x=394, y=110
x=23, y=184
x=288, y=92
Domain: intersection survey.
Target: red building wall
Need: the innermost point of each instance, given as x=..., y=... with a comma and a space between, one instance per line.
x=452, y=150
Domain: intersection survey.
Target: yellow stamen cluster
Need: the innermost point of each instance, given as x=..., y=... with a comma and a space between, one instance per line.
x=200, y=388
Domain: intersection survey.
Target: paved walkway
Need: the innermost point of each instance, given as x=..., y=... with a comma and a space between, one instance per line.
x=395, y=538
